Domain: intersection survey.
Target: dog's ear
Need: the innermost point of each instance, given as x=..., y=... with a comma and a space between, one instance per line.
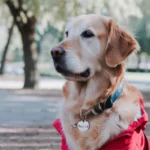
x=120, y=44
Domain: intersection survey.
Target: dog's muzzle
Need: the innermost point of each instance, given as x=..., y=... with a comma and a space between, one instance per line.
x=58, y=55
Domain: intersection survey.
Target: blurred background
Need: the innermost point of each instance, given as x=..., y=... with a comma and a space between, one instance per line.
x=30, y=88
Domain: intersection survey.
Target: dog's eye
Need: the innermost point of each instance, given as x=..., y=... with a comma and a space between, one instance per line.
x=87, y=34
x=66, y=33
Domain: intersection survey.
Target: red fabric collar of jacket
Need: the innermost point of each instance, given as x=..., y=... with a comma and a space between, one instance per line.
x=131, y=139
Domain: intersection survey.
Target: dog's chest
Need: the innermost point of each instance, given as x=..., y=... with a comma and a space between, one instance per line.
x=70, y=117
x=70, y=112
x=102, y=127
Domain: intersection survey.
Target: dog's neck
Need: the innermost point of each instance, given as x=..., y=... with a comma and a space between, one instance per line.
x=96, y=89
x=103, y=83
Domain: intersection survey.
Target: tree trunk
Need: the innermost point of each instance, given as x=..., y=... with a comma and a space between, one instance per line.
x=147, y=63
x=138, y=62
x=6, y=49
x=30, y=56
x=25, y=22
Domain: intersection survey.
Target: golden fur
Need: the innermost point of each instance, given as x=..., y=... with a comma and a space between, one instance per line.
x=104, y=54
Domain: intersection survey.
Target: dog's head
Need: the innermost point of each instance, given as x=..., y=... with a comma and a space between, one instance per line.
x=91, y=43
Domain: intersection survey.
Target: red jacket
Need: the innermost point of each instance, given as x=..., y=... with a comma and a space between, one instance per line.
x=131, y=139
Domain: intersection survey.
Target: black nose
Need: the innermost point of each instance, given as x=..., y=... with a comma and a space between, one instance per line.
x=57, y=51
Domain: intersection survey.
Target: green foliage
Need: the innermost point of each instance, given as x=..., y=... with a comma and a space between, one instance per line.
x=38, y=7
x=143, y=34
x=145, y=7
x=48, y=30
x=65, y=9
x=5, y=16
x=59, y=11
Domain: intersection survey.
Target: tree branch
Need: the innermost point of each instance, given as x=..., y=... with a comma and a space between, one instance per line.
x=25, y=12
x=15, y=13
x=20, y=4
x=10, y=32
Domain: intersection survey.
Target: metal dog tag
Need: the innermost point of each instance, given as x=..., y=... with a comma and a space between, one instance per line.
x=83, y=125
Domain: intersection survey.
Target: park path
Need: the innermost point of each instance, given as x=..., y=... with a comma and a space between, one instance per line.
x=26, y=118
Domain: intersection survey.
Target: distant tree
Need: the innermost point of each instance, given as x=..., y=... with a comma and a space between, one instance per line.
x=143, y=34
x=143, y=27
x=144, y=7
x=48, y=30
x=26, y=13
x=10, y=32
x=25, y=20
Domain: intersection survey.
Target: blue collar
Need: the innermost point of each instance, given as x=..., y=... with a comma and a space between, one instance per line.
x=118, y=92
x=99, y=108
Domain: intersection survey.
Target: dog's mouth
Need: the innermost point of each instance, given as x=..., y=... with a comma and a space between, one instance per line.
x=66, y=73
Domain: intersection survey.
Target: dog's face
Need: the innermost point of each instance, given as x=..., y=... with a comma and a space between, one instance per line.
x=91, y=41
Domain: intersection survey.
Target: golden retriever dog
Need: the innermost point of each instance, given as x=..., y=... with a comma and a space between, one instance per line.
x=92, y=60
